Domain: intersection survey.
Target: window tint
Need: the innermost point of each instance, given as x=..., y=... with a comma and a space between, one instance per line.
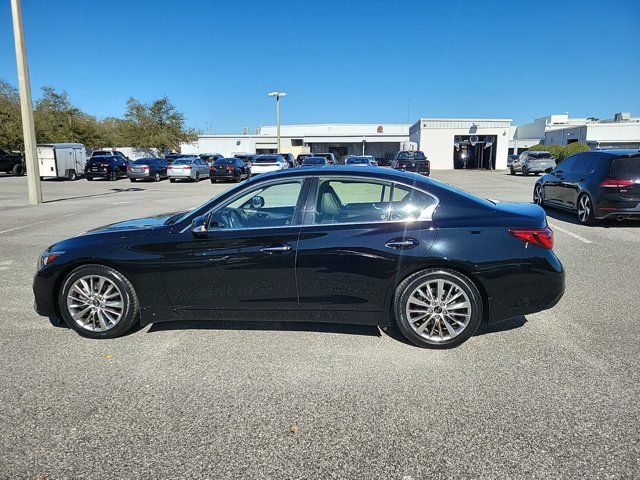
x=411, y=204
x=583, y=163
x=626, y=167
x=269, y=206
x=351, y=201
x=566, y=165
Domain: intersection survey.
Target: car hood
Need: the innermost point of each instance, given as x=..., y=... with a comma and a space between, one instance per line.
x=135, y=224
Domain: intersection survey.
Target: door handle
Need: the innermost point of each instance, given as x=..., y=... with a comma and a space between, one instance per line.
x=277, y=249
x=402, y=243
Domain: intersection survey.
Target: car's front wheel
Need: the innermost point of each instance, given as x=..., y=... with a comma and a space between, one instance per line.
x=98, y=302
x=18, y=170
x=437, y=308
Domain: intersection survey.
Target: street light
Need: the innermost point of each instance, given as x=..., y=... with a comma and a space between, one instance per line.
x=278, y=95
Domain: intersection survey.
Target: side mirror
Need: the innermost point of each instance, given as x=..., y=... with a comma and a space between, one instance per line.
x=257, y=202
x=199, y=225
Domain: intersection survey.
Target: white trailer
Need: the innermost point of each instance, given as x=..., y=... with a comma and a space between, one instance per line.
x=61, y=160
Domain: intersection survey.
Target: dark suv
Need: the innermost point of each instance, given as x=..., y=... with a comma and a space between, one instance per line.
x=596, y=184
x=112, y=167
x=411, y=161
x=11, y=163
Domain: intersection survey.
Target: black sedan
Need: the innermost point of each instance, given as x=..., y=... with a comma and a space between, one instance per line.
x=112, y=167
x=597, y=184
x=333, y=244
x=232, y=169
x=147, y=169
x=411, y=161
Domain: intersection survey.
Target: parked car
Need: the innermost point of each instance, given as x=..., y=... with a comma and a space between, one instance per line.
x=192, y=169
x=412, y=161
x=314, y=162
x=596, y=184
x=109, y=153
x=247, y=158
x=532, y=161
x=171, y=157
x=113, y=168
x=11, y=162
x=210, y=158
x=435, y=260
x=229, y=169
x=331, y=158
x=147, y=169
x=61, y=160
x=510, y=159
x=290, y=159
x=300, y=158
x=268, y=163
x=361, y=161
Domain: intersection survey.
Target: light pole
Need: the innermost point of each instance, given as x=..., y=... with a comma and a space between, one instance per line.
x=26, y=106
x=278, y=95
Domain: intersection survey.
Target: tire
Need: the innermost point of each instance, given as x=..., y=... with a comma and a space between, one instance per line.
x=71, y=175
x=18, y=170
x=538, y=195
x=468, y=311
x=113, y=176
x=197, y=179
x=585, y=210
x=238, y=178
x=156, y=177
x=525, y=172
x=512, y=171
x=132, y=180
x=214, y=181
x=90, y=179
x=172, y=180
x=122, y=292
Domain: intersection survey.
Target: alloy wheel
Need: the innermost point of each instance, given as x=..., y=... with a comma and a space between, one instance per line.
x=438, y=310
x=584, y=208
x=537, y=196
x=95, y=303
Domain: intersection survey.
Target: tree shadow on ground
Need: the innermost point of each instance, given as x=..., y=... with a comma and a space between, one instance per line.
x=113, y=190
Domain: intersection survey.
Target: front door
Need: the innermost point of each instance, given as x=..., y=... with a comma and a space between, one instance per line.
x=246, y=259
x=359, y=237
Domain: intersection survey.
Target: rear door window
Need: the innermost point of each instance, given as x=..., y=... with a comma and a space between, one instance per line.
x=411, y=204
x=583, y=163
x=351, y=201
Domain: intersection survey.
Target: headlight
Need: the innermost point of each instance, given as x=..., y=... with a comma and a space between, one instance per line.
x=47, y=257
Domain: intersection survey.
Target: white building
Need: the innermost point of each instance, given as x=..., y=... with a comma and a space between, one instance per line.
x=621, y=131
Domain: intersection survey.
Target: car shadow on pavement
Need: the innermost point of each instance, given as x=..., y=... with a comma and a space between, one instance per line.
x=316, y=327
x=572, y=218
x=113, y=190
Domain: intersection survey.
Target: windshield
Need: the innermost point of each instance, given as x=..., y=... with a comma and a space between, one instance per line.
x=411, y=156
x=626, y=167
x=143, y=161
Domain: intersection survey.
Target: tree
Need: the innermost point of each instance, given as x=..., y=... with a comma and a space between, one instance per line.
x=10, y=118
x=154, y=125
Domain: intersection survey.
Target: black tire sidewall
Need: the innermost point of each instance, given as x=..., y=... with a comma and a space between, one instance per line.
x=130, y=314
x=18, y=170
x=409, y=284
x=591, y=219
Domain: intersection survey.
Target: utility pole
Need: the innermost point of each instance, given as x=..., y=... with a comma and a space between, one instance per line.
x=278, y=95
x=26, y=107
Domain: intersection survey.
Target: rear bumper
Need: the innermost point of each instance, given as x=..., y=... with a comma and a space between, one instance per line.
x=139, y=175
x=179, y=175
x=226, y=176
x=97, y=174
x=608, y=208
x=540, y=284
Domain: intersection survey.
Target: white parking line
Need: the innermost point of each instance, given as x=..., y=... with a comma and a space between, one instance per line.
x=571, y=234
x=22, y=226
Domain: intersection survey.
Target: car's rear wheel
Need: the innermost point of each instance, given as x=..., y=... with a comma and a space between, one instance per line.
x=525, y=172
x=172, y=180
x=113, y=176
x=98, y=302
x=18, y=170
x=132, y=180
x=585, y=210
x=71, y=175
x=156, y=177
x=197, y=179
x=437, y=308
x=538, y=195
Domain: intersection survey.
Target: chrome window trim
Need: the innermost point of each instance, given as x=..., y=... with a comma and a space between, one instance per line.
x=427, y=218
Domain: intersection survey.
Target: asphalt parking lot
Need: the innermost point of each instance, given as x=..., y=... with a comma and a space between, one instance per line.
x=552, y=395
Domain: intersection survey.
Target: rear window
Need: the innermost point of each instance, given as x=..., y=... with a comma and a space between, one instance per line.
x=183, y=162
x=143, y=161
x=266, y=160
x=100, y=159
x=357, y=160
x=411, y=156
x=315, y=161
x=626, y=167
x=225, y=161
x=540, y=155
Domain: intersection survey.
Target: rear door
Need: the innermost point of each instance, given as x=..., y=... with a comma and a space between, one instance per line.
x=358, y=235
x=576, y=178
x=553, y=184
x=47, y=161
x=627, y=169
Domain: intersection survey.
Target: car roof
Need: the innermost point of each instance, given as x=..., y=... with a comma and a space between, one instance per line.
x=617, y=152
x=347, y=171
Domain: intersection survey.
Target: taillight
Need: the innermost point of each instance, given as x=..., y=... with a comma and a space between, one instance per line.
x=229, y=169
x=616, y=183
x=212, y=168
x=542, y=237
x=187, y=167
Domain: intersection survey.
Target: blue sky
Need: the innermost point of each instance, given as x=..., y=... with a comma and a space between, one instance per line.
x=340, y=61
